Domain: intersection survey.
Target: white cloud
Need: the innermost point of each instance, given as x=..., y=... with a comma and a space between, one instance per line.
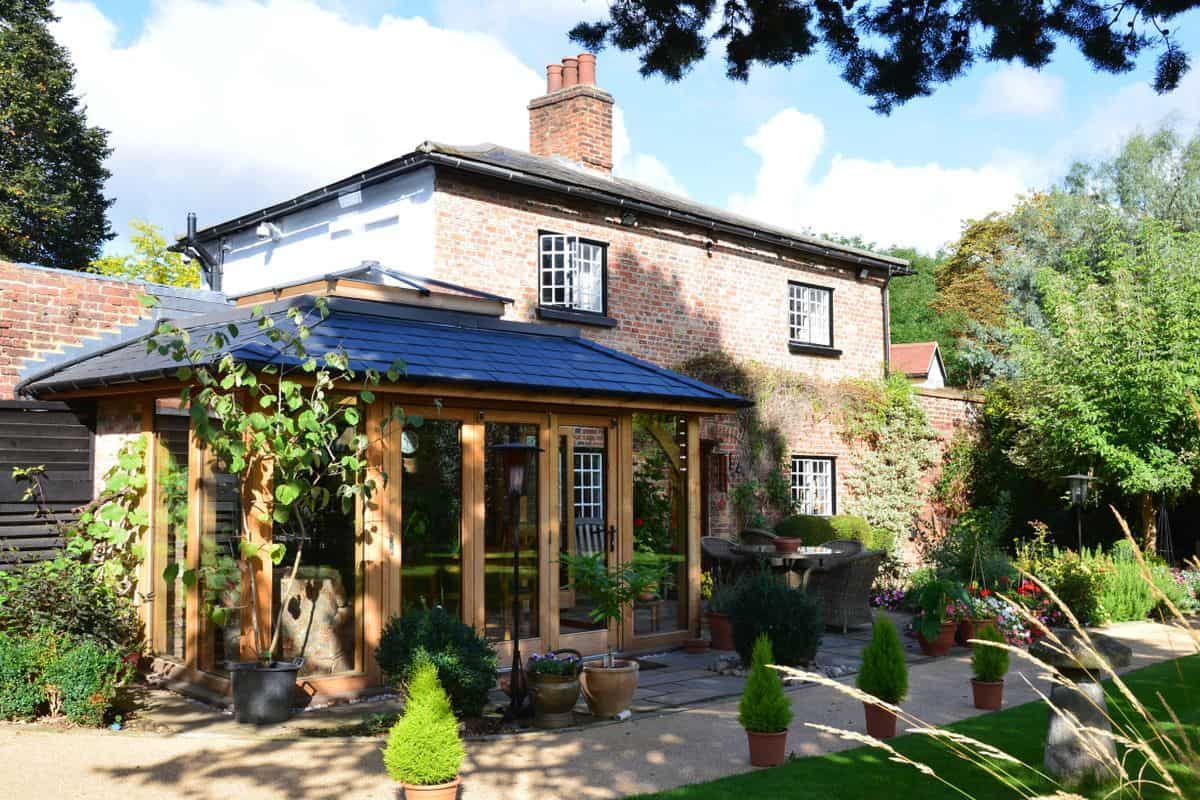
x=1020, y=90
x=886, y=203
x=641, y=167
x=222, y=107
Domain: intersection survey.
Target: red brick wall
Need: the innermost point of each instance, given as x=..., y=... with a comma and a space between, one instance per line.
x=42, y=309
x=673, y=298
x=575, y=122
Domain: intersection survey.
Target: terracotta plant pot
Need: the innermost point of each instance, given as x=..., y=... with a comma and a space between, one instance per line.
x=721, y=630
x=767, y=749
x=695, y=646
x=942, y=644
x=440, y=791
x=787, y=544
x=609, y=690
x=989, y=695
x=554, y=699
x=881, y=722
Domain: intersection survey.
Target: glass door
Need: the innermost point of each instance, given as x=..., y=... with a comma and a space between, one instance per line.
x=586, y=488
x=512, y=594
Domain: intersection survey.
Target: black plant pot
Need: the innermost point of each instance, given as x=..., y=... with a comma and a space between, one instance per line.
x=262, y=693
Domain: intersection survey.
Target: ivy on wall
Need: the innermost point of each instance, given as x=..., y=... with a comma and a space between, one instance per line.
x=882, y=421
x=894, y=448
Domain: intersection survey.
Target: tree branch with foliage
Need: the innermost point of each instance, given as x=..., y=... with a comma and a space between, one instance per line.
x=891, y=52
x=295, y=423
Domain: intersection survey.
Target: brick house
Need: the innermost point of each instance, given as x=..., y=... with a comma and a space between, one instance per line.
x=551, y=301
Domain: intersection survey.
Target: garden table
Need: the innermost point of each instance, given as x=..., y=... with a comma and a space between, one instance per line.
x=800, y=561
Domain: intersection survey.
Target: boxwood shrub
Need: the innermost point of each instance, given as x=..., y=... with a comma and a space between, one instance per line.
x=466, y=663
x=21, y=692
x=810, y=529
x=793, y=622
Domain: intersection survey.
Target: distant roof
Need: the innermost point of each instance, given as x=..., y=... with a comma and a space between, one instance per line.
x=915, y=359
x=562, y=175
x=436, y=347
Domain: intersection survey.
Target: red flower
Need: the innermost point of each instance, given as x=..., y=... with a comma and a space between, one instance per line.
x=985, y=592
x=638, y=522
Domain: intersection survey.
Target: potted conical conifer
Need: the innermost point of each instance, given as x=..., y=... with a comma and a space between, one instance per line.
x=990, y=664
x=765, y=711
x=884, y=675
x=424, y=751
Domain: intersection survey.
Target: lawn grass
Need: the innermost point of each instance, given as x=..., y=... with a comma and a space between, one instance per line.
x=865, y=772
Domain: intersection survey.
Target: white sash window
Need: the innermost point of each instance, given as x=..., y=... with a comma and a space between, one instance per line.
x=810, y=314
x=571, y=272
x=813, y=485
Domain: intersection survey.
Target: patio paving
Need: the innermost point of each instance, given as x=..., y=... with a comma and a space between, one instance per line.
x=199, y=753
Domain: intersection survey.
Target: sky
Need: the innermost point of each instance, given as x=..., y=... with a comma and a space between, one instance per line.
x=224, y=106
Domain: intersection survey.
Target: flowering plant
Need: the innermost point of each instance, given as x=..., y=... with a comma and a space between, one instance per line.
x=563, y=665
x=890, y=599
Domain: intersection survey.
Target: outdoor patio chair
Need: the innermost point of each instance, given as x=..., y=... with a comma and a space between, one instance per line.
x=721, y=558
x=758, y=536
x=589, y=536
x=844, y=585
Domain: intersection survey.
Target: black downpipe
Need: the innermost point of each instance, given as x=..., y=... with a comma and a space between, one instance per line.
x=887, y=327
x=211, y=265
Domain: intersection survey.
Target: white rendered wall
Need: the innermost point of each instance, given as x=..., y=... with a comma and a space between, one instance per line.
x=390, y=222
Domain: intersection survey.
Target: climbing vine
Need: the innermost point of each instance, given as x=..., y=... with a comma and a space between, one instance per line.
x=893, y=446
x=109, y=531
x=881, y=421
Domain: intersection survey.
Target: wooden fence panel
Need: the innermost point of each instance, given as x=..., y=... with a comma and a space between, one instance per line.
x=61, y=438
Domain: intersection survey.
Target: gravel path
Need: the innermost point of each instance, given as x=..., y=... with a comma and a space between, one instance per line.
x=650, y=752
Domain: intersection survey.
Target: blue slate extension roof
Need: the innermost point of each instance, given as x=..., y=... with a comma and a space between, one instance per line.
x=436, y=348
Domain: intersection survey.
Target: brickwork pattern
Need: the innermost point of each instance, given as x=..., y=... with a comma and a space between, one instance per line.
x=576, y=123
x=675, y=292
x=42, y=310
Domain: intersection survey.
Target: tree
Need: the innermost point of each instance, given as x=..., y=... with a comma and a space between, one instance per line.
x=891, y=51
x=52, y=206
x=915, y=316
x=1155, y=174
x=150, y=260
x=1104, y=384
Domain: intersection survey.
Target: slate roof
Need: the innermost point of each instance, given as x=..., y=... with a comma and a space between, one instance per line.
x=556, y=174
x=914, y=359
x=436, y=347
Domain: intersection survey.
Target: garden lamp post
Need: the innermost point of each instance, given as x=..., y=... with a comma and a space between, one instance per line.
x=1078, y=486
x=516, y=458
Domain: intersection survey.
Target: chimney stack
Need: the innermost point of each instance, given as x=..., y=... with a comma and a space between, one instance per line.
x=574, y=118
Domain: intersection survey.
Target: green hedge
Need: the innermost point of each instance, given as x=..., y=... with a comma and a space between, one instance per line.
x=465, y=662
x=50, y=673
x=810, y=529
x=791, y=619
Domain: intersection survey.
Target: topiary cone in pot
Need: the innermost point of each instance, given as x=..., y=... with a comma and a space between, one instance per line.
x=765, y=711
x=990, y=664
x=424, y=751
x=883, y=675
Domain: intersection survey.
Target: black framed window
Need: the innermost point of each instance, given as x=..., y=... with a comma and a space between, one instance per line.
x=572, y=273
x=814, y=485
x=810, y=314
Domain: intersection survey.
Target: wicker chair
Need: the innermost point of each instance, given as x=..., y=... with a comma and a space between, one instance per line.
x=844, y=547
x=719, y=557
x=758, y=536
x=844, y=585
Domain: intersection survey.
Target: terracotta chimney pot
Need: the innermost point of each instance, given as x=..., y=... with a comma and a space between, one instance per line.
x=554, y=77
x=587, y=69
x=570, y=72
